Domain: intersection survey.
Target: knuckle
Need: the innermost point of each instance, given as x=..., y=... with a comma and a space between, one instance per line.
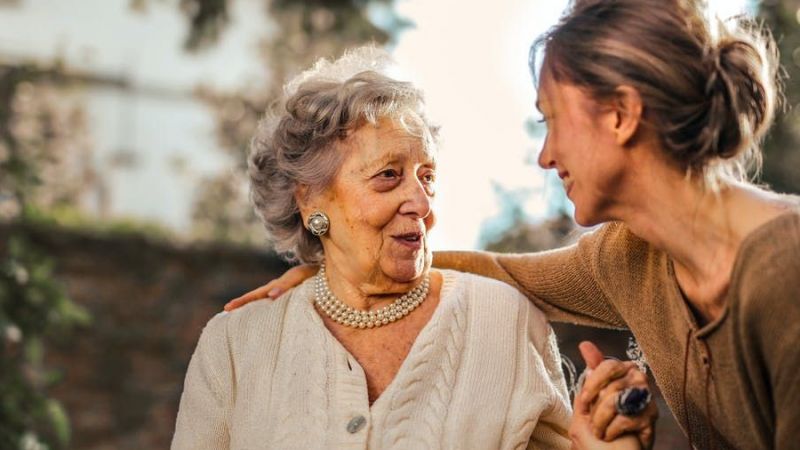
x=619, y=425
x=573, y=433
x=639, y=376
x=608, y=365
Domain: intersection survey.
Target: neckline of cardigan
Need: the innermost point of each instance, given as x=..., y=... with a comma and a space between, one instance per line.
x=446, y=294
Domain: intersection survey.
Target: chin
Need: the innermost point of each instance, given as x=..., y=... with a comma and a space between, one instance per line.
x=585, y=219
x=407, y=270
x=584, y=222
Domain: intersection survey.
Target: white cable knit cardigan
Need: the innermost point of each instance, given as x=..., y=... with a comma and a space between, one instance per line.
x=484, y=373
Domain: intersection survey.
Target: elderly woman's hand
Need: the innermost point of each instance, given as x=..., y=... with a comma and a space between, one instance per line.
x=276, y=287
x=606, y=379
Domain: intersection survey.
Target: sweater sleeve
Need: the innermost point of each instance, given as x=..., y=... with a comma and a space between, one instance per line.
x=544, y=379
x=205, y=407
x=564, y=283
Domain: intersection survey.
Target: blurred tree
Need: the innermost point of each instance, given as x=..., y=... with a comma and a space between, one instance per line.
x=45, y=148
x=307, y=30
x=512, y=231
x=525, y=236
x=782, y=146
x=42, y=140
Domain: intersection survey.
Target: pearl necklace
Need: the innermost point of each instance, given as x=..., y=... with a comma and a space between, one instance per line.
x=351, y=317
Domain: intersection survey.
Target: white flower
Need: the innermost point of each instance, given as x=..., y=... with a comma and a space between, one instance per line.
x=9, y=207
x=30, y=441
x=13, y=334
x=21, y=274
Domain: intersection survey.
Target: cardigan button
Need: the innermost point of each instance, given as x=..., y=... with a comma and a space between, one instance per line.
x=355, y=424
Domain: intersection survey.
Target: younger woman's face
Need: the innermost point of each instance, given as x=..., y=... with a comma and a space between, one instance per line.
x=581, y=146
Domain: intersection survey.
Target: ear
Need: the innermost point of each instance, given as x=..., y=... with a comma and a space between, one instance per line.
x=301, y=196
x=628, y=107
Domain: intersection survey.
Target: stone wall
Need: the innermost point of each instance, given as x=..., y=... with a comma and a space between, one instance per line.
x=149, y=301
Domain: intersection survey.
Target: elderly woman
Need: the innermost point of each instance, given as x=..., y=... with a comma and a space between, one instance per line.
x=377, y=350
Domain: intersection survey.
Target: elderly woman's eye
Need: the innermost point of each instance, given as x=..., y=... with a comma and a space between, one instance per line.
x=428, y=177
x=388, y=173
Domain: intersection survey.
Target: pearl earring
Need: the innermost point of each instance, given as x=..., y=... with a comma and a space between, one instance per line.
x=318, y=223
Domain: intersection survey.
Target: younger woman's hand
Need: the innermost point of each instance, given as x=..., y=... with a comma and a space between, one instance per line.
x=582, y=437
x=601, y=388
x=276, y=287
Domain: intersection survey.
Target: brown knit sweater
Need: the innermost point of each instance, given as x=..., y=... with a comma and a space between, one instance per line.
x=733, y=383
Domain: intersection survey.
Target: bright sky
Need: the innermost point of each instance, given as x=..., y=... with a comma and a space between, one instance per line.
x=472, y=61
x=470, y=57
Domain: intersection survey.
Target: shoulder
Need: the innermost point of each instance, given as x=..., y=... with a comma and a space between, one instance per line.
x=256, y=321
x=622, y=262
x=764, y=304
x=767, y=270
x=484, y=291
x=614, y=242
x=490, y=299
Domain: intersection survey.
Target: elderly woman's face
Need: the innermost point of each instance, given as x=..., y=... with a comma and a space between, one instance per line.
x=379, y=205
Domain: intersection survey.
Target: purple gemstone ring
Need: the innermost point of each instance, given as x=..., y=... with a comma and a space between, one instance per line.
x=632, y=401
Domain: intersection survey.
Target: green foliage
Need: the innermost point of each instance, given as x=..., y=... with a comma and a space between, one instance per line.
x=32, y=307
x=782, y=147
x=35, y=132
x=73, y=218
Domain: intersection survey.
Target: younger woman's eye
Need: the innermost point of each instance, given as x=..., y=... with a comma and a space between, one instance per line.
x=429, y=177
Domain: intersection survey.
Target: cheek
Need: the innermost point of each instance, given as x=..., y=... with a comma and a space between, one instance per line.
x=377, y=213
x=367, y=221
x=430, y=221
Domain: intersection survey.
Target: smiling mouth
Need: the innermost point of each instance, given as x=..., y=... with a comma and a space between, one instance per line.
x=567, y=185
x=412, y=240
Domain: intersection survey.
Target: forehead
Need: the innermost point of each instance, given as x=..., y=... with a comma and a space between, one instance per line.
x=385, y=142
x=562, y=96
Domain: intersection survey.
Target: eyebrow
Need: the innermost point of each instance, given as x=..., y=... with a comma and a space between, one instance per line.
x=382, y=161
x=391, y=158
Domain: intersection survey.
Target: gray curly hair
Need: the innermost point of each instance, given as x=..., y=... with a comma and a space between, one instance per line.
x=297, y=143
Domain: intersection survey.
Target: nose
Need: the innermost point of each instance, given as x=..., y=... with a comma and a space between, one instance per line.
x=546, y=159
x=417, y=200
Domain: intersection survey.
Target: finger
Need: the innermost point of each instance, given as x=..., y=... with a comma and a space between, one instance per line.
x=620, y=425
x=647, y=437
x=608, y=371
x=604, y=409
x=579, y=430
x=298, y=274
x=276, y=287
x=597, y=379
x=591, y=354
x=641, y=425
x=264, y=291
x=633, y=378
